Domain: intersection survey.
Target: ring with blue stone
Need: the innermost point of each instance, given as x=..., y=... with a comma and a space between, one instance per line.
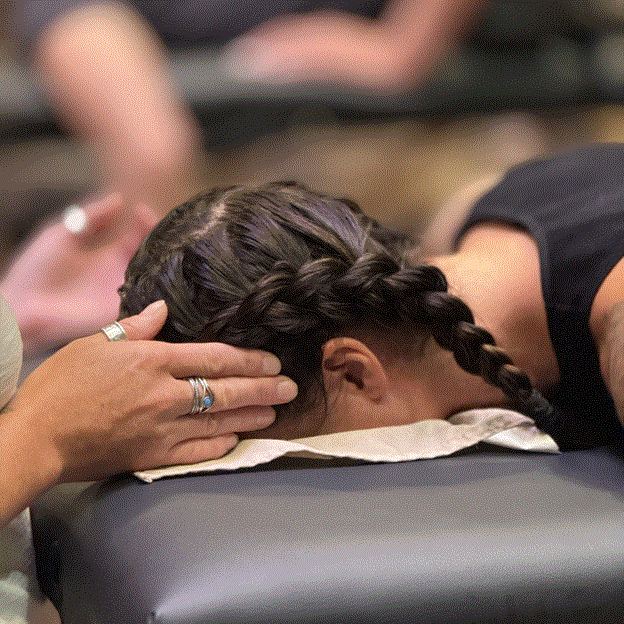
x=208, y=398
x=203, y=396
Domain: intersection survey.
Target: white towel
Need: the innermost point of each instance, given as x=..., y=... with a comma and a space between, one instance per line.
x=421, y=440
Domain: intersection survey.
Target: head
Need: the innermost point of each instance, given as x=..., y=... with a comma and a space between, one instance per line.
x=325, y=288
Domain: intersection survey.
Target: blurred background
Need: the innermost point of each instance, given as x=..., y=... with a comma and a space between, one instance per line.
x=525, y=78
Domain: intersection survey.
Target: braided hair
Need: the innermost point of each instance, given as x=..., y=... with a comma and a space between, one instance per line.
x=284, y=269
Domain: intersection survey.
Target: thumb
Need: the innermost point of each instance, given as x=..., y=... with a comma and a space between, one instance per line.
x=148, y=323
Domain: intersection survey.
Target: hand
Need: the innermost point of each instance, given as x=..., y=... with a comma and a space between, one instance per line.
x=62, y=285
x=321, y=46
x=97, y=408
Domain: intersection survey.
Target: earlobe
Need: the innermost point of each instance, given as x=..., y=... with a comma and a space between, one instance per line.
x=349, y=365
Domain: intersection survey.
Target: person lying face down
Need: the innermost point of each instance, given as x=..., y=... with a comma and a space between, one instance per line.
x=365, y=334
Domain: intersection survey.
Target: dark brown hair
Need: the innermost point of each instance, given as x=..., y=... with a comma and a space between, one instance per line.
x=282, y=268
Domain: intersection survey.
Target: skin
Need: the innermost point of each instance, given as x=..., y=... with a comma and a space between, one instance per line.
x=606, y=321
x=393, y=52
x=146, y=138
x=369, y=388
x=98, y=408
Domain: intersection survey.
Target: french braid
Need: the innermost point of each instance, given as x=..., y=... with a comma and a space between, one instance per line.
x=321, y=297
x=284, y=269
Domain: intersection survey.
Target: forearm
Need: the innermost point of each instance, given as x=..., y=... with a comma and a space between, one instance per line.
x=28, y=466
x=611, y=352
x=388, y=53
x=105, y=73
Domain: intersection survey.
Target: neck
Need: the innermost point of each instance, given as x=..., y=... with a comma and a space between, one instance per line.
x=442, y=388
x=496, y=273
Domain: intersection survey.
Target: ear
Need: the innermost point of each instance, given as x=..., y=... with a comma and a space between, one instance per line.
x=349, y=365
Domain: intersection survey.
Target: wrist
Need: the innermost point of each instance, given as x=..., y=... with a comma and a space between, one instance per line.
x=32, y=433
x=29, y=464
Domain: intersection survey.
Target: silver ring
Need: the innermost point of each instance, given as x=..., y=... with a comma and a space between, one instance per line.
x=203, y=396
x=114, y=331
x=75, y=219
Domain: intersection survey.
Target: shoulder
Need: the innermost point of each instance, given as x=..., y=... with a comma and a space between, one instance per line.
x=440, y=234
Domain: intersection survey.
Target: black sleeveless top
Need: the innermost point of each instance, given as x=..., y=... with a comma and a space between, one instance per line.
x=573, y=206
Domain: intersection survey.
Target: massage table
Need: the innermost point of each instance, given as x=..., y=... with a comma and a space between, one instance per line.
x=487, y=536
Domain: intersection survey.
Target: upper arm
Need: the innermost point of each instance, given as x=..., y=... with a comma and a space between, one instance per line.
x=610, y=343
x=423, y=31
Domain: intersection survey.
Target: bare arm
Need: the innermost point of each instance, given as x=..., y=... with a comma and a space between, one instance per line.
x=98, y=408
x=396, y=50
x=425, y=30
x=106, y=75
x=441, y=231
x=611, y=352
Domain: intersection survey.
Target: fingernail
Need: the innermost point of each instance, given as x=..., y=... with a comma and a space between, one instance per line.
x=153, y=308
x=271, y=366
x=286, y=389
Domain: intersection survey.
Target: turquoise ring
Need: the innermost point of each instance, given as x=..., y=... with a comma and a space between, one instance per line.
x=203, y=396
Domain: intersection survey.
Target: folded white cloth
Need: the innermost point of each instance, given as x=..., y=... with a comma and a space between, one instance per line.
x=420, y=440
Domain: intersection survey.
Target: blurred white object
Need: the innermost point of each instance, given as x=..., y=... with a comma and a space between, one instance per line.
x=75, y=219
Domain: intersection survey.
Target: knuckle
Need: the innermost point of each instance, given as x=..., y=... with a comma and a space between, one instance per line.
x=222, y=445
x=139, y=358
x=215, y=356
x=129, y=324
x=168, y=398
x=265, y=392
x=223, y=358
x=252, y=363
x=212, y=426
x=227, y=398
x=160, y=400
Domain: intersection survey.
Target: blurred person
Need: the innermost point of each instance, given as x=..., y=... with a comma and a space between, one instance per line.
x=62, y=282
x=104, y=68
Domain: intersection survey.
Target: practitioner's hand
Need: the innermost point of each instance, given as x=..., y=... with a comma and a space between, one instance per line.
x=321, y=46
x=100, y=407
x=63, y=285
